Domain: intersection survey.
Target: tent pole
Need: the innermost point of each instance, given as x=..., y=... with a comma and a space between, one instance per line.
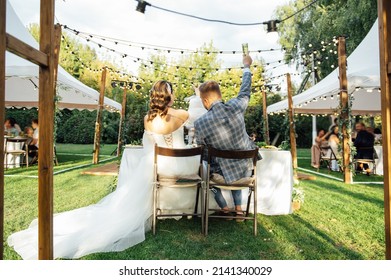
x=344, y=111
x=121, y=120
x=3, y=10
x=98, y=123
x=265, y=119
x=292, y=133
x=46, y=121
x=384, y=7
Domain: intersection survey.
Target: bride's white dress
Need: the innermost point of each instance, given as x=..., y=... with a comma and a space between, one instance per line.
x=120, y=219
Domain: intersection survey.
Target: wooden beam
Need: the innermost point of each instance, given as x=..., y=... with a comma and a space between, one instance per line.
x=3, y=10
x=344, y=114
x=20, y=48
x=46, y=123
x=265, y=119
x=121, y=120
x=384, y=7
x=98, y=123
x=292, y=133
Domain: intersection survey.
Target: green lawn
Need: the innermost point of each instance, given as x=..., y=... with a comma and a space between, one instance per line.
x=304, y=161
x=337, y=221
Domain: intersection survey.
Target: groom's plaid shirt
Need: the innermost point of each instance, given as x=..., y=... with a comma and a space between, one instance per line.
x=223, y=127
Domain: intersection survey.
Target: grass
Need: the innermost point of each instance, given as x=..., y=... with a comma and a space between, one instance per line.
x=337, y=221
x=69, y=156
x=304, y=161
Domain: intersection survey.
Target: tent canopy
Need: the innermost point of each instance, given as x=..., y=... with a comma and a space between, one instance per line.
x=22, y=78
x=363, y=84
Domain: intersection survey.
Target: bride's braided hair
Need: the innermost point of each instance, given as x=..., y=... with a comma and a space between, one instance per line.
x=160, y=97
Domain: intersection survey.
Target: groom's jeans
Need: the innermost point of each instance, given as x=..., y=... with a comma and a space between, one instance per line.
x=236, y=195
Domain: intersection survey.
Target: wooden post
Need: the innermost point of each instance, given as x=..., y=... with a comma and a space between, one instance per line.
x=3, y=10
x=98, y=123
x=384, y=7
x=292, y=133
x=46, y=122
x=344, y=114
x=121, y=120
x=265, y=119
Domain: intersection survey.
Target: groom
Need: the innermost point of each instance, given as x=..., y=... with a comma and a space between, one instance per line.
x=223, y=127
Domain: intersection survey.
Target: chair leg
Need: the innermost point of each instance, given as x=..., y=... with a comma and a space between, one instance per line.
x=206, y=210
x=248, y=203
x=255, y=212
x=197, y=197
x=154, y=220
x=202, y=208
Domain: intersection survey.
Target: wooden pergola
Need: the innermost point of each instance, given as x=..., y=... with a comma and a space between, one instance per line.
x=47, y=60
x=384, y=7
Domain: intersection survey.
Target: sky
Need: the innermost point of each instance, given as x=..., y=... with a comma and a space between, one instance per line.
x=119, y=19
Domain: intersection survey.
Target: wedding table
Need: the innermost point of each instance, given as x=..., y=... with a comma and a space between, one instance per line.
x=12, y=143
x=379, y=160
x=274, y=177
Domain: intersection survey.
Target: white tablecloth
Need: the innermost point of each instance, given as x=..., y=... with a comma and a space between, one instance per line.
x=379, y=161
x=274, y=176
x=12, y=161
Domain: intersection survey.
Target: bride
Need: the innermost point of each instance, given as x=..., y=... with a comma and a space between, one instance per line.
x=120, y=219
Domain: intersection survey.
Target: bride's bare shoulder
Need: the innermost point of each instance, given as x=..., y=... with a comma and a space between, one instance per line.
x=179, y=113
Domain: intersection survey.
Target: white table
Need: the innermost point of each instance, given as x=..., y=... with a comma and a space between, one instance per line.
x=379, y=161
x=11, y=160
x=274, y=176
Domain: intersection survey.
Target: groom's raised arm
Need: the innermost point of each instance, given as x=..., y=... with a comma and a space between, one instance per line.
x=240, y=103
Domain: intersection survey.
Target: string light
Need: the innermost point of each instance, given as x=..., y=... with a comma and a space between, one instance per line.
x=271, y=24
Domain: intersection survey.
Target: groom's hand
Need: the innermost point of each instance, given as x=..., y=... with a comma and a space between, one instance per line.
x=247, y=61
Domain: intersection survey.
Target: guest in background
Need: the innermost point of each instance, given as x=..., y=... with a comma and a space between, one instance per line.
x=333, y=142
x=364, y=144
x=316, y=150
x=334, y=124
x=34, y=144
x=11, y=127
x=378, y=136
x=28, y=133
x=253, y=137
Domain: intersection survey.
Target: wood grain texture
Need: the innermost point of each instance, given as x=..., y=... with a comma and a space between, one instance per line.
x=292, y=132
x=384, y=7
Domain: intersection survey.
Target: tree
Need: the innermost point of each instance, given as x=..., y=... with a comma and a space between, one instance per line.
x=303, y=34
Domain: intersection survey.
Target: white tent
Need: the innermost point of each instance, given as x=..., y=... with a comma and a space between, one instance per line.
x=363, y=84
x=22, y=78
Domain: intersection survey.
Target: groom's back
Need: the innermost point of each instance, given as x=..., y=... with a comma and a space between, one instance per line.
x=223, y=127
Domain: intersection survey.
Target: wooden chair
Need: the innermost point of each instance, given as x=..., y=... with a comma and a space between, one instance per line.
x=327, y=155
x=20, y=150
x=367, y=161
x=249, y=183
x=185, y=182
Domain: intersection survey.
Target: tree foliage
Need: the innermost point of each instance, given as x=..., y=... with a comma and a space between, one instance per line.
x=304, y=33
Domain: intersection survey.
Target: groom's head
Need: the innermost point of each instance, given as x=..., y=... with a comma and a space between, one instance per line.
x=209, y=93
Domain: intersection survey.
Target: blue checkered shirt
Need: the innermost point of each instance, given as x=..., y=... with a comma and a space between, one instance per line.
x=223, y=127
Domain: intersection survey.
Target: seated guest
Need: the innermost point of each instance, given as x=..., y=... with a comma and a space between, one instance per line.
x=378, y=136
x=33, y=146
x=253, y=137
x=364, y=142
x=11, y=127
x=333, y=142
x=316, y=150
x=28, y=133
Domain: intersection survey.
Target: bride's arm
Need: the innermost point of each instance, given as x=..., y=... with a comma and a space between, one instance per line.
x=196, y=110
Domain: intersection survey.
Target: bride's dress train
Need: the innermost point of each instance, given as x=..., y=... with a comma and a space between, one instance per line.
x=120, y=219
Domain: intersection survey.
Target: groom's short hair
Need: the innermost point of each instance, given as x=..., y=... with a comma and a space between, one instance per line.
x=210, y=86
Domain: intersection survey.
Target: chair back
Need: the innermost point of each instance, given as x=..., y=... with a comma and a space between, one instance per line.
x=170, y=152
x=233, y=154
